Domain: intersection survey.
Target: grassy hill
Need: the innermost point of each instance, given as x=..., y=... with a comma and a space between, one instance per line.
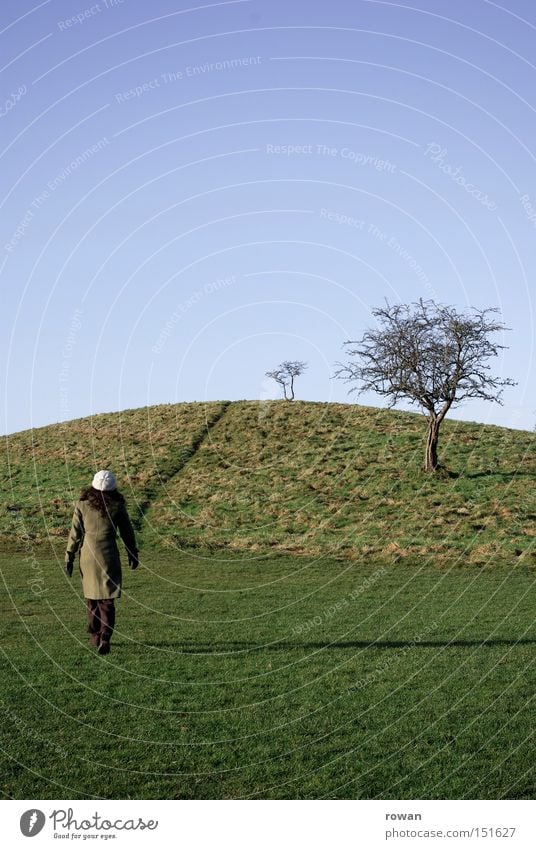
x=295, y=478
x=295, y=628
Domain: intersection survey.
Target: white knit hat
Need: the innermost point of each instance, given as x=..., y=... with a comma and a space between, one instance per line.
x=104, y=480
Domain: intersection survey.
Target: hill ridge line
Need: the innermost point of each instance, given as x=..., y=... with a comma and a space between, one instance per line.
x=186, y=455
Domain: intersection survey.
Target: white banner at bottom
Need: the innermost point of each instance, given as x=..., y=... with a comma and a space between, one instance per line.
x=266, y=824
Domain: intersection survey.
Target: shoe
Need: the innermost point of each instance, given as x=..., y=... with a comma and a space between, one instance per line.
x=94, y=639
x=104, y=647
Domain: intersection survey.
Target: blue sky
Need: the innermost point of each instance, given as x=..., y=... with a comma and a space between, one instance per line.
x=192, y=193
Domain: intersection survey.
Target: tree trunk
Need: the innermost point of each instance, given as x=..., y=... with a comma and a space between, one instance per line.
x=430, y=457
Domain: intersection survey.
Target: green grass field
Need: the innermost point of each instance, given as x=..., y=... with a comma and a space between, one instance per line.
x=282, y=678
x=313, y=617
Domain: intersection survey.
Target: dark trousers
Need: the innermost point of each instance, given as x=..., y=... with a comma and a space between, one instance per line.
x=101, y=617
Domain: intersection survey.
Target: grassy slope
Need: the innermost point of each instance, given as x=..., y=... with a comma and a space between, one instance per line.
x=301, y=478
x=345, y=480
x=287, y=679
x=43, y=470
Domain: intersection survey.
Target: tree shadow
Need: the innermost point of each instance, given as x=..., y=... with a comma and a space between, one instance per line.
x=487, y=473
x=492, y=474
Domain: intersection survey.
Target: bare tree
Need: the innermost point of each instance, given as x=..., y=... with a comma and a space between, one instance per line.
x=285, y=374
x=430, y=355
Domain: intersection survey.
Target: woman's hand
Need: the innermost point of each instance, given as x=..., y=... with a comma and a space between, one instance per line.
x=69, y=563
x=133, y=561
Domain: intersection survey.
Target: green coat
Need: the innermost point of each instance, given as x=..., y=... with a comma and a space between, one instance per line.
x=96, y=536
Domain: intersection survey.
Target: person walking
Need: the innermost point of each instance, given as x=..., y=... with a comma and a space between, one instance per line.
x=98, y=515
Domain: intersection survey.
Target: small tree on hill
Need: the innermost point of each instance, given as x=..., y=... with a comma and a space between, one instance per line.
x=430, y=355
x=285, y=374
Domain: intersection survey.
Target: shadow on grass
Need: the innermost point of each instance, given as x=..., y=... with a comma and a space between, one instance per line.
x=488, y=473
x=215, y=648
